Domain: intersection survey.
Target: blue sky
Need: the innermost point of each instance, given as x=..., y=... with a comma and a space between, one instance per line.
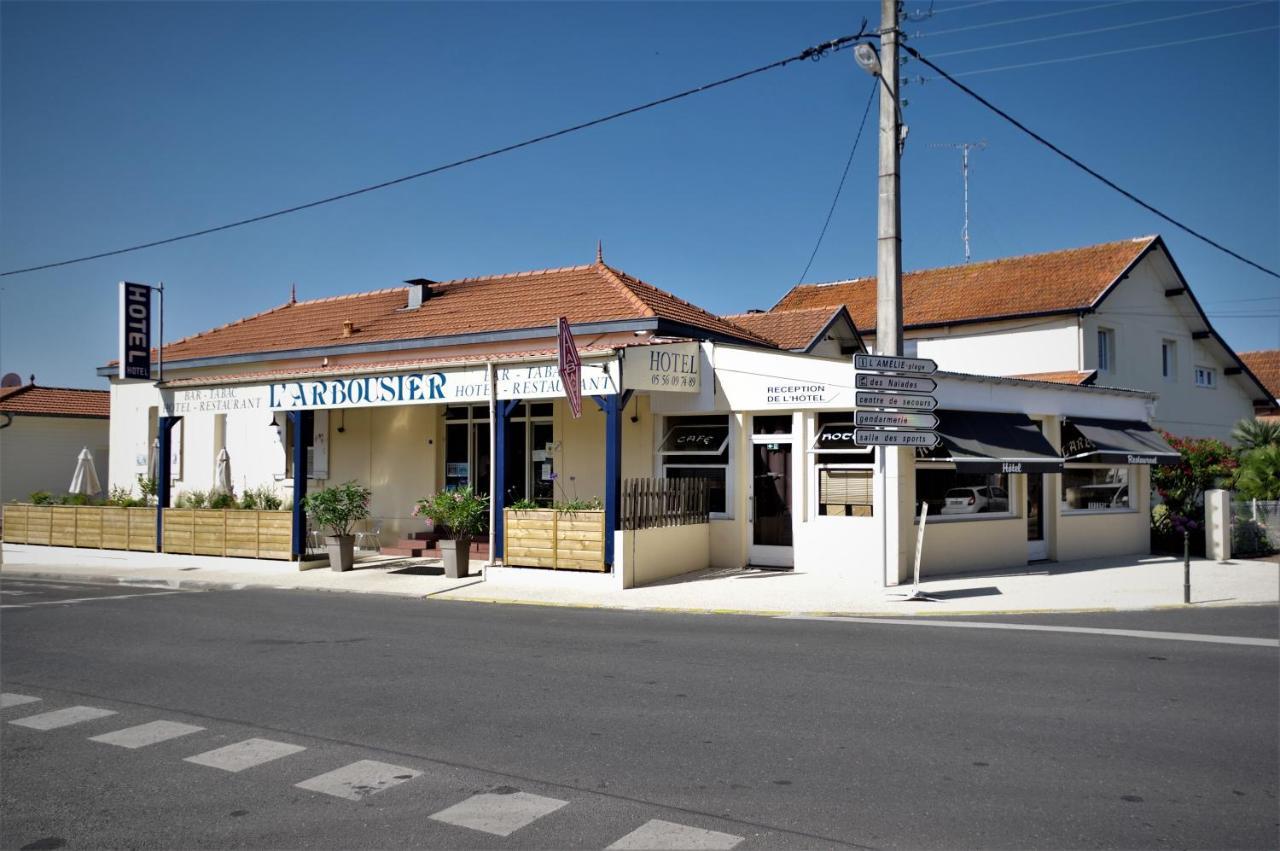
x=121, y=123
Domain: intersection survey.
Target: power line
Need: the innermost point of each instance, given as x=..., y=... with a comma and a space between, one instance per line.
x=814, y=53
x=1127, y=25
x=845, y=174
x=1083, y=56
x=933, y=11
x=1056, y=14
x=1078, y=164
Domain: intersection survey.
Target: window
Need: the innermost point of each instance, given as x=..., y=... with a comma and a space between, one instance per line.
x=1095, y=488
x=1106, y=350
x=1169, y=360
x=910, y=348
x=698, y=448
x=844, y=477
x=530, y=454
x=1206, y=376
x=958, y=495
x=466, y=447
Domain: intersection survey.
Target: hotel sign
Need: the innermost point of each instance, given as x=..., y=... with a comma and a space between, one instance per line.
x=135, y=331
x=673, y=368
x=466, y=385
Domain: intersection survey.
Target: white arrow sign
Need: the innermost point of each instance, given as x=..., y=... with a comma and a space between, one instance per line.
x=882, y=419
x=894, y=383
x=870, y=437
x=892, y=363
x=894, y=400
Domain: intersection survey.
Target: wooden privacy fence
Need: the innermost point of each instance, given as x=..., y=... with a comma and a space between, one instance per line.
x=572, y=540
x=652, y=503
x=190, y=531
x=103, y=527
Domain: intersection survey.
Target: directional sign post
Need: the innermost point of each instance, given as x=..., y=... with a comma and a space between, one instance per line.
x=887, y=419
x=899, y=401
x=894, y=383
x=889, y=363
x=875, y=437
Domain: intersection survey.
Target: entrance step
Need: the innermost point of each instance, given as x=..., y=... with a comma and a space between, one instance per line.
x=404, y=552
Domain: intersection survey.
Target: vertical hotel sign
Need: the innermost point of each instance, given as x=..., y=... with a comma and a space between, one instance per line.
x=135, y=331
x=570, y=363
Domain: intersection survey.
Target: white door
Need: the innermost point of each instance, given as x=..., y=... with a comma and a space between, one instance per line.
x=770, y=501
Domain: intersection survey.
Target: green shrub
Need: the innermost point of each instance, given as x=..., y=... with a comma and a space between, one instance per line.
x=41, y=498
x=149, y=489
x=76, y=499
x=1259, y=476
x=262, y=498
x=524, y=505
x=593, y=504
x=462, y=510
x=339, y=508
x=219, y=499
x=191, y=499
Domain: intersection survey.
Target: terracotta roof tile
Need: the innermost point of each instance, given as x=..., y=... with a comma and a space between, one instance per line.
x=1265, y=365
x=1056, y=282
x=1077, y=377
x=55, y=401
x=523, y=300
x=788, y=329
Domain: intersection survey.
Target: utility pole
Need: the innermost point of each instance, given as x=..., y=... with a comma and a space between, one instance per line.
x=889, y=216
x=964, y=174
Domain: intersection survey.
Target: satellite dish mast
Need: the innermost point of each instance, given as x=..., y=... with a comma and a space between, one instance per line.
x=964, y=173
x=11, y=379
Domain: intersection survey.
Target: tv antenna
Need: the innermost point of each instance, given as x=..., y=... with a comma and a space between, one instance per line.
x=964, y=148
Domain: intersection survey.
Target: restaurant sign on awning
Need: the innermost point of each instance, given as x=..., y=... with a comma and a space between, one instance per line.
x=1115, y=442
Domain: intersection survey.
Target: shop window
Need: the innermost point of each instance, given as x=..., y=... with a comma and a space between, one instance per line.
x=698, y=448
x=1095, y=488
x=466, y=447
x=844, y=476
x=953, y=494
x=530, y=454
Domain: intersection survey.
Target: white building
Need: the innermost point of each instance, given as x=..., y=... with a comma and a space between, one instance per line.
x=414, y=389
x=42, y=431
x=1119, y=314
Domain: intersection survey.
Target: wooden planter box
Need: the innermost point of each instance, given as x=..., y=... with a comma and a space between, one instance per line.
x=571, y=540
x=103, y=527
x=190, y=531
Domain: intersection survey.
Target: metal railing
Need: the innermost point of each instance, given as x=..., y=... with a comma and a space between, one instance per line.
x=654, y=503
x=1255, y=526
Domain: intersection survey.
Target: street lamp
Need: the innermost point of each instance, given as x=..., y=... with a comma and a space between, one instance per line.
x=867, y=58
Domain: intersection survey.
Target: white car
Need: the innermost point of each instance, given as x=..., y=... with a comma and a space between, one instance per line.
x=979, y=499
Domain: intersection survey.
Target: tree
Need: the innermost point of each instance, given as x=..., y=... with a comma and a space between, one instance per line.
x=1259, y=476
x=1205, y=463
x=1255, y=434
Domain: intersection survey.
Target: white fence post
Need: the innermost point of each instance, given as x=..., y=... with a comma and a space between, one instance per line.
x=1217, y=517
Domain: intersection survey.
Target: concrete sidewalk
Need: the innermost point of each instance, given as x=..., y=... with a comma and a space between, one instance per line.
x=1133, y=583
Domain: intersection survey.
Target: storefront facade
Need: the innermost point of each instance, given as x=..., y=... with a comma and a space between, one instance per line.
x=1026, y=470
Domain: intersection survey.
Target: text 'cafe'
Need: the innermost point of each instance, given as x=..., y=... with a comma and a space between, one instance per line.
x=798, y=459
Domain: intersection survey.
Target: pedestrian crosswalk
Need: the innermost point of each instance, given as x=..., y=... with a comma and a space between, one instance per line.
x=500, y=812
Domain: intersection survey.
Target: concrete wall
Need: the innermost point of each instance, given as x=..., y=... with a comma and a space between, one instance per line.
x=1003, y=348
x=643, y=556
x=39, y=454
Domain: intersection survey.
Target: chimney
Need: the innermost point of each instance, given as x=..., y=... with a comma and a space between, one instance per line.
x=419, y=291
x=348, y=327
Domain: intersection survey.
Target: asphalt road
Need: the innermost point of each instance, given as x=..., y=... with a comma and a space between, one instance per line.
x=460, y=725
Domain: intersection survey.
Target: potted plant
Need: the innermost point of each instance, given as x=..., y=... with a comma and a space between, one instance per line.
x=466, y=515
x=338, y=509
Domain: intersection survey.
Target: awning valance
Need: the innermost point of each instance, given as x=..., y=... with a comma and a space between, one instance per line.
x=986, y=442
x=1091, y=440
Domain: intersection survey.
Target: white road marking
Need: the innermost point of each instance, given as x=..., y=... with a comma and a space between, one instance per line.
x=146, y=734
x=245, y=754
x=9, y=698
x=1087, y=630
x=62, y=717
x=359, y=779
x=660, y=835
x=500, y=815
x=13, y=593
x=95, y=599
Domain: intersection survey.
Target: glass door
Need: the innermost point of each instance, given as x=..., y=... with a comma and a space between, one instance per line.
x=1037, y=546
x=770, y=497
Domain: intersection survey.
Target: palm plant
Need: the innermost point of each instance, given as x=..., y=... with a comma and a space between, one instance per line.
x=1255, y=434
x=1259, y=476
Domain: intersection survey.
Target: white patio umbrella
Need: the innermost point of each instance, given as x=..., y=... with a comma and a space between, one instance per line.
x=85, y=479
x=222, y=472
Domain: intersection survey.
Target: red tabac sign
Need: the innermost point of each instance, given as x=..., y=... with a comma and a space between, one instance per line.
x=570, y=368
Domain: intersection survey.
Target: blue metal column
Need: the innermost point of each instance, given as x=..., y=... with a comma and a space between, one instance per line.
x=301, y=422
x=498, y=499
x=164, y=427
x=612, y=407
